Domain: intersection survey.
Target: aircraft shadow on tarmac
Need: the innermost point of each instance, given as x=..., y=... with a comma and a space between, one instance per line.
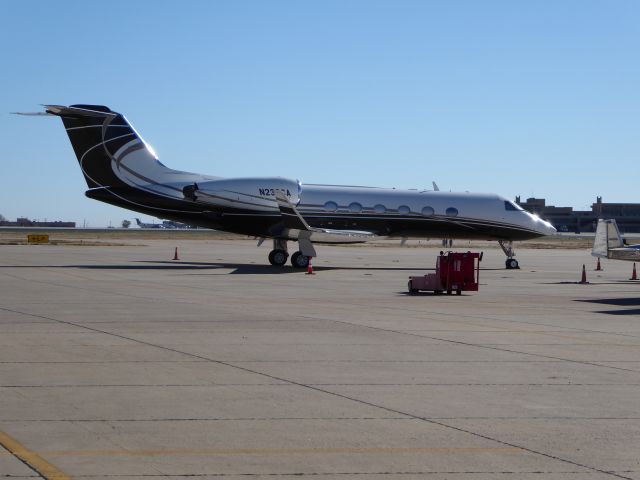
x=618, y=302
x=251, y=269
x=243, y=268
x=236, y=268
x=248, y=269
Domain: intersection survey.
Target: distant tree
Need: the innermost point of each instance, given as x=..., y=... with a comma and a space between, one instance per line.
x=126, y=223
x=2, y=219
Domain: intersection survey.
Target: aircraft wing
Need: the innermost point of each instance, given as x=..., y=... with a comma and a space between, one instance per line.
x=290, y=215
x=298, y=228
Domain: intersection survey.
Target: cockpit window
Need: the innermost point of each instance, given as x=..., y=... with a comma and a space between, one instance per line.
x=511, y=206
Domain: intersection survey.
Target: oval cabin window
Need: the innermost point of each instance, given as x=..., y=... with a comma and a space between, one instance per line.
x=379, y=208
x=452, y=212
x=331, y=206
x=355, y=207
x=403, y=209
x=428, y=211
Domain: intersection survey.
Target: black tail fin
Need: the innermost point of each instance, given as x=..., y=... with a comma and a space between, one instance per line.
x=101, y=140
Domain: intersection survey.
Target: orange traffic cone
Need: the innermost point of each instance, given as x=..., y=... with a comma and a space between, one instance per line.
x=584, y=275
x=175, y=255
x=598, y=267
x=310, y=268
x=634, y=276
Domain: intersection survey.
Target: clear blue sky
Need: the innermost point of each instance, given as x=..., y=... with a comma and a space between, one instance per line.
x=514, y=97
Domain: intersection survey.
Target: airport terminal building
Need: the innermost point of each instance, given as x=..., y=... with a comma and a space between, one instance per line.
x=566, y=219
x=25, y=222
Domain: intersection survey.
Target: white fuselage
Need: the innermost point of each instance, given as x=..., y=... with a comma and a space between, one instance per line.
x=416, y=206
x=382, y=211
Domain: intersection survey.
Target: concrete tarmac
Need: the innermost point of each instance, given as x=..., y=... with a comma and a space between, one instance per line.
x=118, y=362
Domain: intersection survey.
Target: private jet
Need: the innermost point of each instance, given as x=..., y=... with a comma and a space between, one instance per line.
x=121, y=169
x=148, y=225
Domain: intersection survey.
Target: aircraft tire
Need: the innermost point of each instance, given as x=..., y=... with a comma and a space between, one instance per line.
x=278, y=257
x=298, y=260
x=512, y=264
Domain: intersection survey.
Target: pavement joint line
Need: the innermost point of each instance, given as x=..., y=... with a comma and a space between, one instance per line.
x=320, y=360
x=494, y=319
x=541, y=473
x=347, y=474
x=476, y=345
x=521, y=322
x=100, y=362
x=31, y=459
x=408, y=333
x=346, y=397
x=287, y=384
x=297, y=419
x=446, y=314
x=277, y=451
x=324, y=360
x=93, y=290
x=230, y=419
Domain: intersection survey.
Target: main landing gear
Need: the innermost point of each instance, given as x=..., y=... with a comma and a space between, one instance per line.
x=298, y=260
x=507, y=247
x=279, y=255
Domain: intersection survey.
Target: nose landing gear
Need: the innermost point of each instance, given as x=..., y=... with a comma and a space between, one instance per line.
x=507, y=247
x=511, y=264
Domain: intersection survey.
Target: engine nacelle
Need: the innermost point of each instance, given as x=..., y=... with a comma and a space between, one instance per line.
x=251, y=193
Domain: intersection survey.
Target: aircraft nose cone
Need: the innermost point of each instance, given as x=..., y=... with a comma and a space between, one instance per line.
x=548, y=228
x=541, y=226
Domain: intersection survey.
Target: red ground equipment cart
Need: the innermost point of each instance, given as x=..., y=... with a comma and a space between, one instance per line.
x=455, y=272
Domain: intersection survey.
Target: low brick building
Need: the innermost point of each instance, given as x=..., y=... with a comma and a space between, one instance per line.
x=566, y=219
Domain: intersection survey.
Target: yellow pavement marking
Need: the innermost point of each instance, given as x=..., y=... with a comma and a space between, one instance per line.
x=32, y=459
x=281, y=451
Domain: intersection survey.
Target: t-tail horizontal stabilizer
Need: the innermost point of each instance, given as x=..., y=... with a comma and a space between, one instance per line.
x=33, y=114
